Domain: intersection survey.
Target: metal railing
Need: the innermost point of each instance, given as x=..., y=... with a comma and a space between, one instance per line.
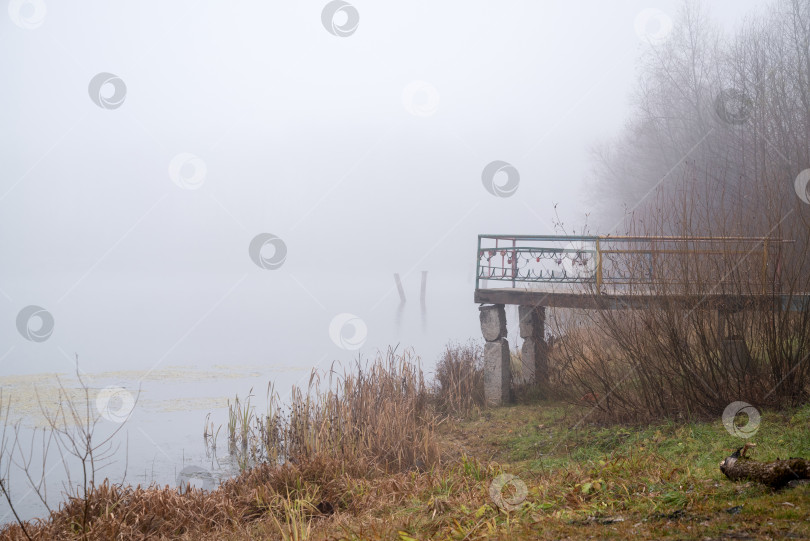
x=623, y=262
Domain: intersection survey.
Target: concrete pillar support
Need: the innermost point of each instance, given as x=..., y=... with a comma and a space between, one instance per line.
x=535, y=351
x=497, y=369
x=493, y=322
x=733, y=349
x=497, y=372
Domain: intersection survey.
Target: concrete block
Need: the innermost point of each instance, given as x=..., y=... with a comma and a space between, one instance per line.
x=535, y=361
x=493, y=322
x=736, y=355
x=497, y=372
x=532, y=321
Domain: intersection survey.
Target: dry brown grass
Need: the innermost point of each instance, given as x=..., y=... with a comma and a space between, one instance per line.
x=282, y=501
x=459, y=381
x=344, y=442
x=583, y=481
x=377, y=415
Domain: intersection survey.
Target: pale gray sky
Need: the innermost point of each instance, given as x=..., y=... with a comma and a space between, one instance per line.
x=303, y=134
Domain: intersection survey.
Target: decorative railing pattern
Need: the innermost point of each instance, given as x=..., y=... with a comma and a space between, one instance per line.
x=610, y=263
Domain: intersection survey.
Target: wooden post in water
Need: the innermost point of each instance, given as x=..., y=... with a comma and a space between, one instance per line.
x=422, y=301
x=401, y=307
x=399, y=287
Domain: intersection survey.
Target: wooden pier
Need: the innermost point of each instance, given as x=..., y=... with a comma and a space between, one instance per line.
x=616, y=273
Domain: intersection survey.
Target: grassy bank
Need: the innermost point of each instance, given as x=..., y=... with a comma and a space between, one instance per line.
x=649, y=482
x=581, y=481
x=377, y=453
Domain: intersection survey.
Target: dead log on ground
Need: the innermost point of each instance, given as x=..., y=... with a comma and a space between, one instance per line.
x=775, y=474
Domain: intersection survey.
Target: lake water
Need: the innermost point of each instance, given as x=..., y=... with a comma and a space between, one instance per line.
x=183, y=348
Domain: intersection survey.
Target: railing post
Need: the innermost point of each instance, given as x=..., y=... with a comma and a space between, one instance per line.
x=478, y=263
x=598, y=268
x=514, y=262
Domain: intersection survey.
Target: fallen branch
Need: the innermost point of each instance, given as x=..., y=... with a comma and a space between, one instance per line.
x=775, y=474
